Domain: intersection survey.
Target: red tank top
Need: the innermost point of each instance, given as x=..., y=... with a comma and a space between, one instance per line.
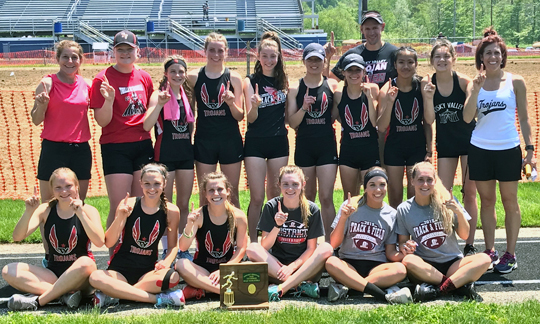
x=66, y=119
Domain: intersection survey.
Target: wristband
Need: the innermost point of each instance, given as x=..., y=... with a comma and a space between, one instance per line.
x=185, y=234
x=303, y=109
x=529, y=147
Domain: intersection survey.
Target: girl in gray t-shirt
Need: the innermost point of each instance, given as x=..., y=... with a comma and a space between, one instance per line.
x=364, y=229
x=427, y=225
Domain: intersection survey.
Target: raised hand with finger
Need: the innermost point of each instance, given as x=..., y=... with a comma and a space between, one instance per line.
x=228, y=96
x=392, y=91
x=280, y=217
x=255, y=98
x=428, y=91
x=42, y=98
x=106, y=90
x=76, y=204
x=479, y=79
x=164, y=96
x=308, y=101
x=366, y=87
x=330, y=48
x=124, y=209
x=33, y=202
x=349, y=208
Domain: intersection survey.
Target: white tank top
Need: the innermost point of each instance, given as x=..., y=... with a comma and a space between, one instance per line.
x=496, y=128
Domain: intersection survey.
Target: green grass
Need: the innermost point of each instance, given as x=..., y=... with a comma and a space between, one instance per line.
x=529, y=201
x=523, y=313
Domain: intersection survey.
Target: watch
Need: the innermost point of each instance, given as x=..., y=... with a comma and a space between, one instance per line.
x=529, y=147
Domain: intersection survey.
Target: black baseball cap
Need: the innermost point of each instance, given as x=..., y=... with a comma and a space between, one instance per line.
x=314, y=49
x=372, y=15
x=353, y=60
x=125, y=37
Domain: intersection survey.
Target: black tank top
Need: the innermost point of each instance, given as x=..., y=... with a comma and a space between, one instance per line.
x=138, y=246
x=406, y=128
x=451, y=128
x=214, y=245
x=173, y=138
x=66, y=238
x=318, y=121
x=356, y=128
x=213, y=114
x=271, y=114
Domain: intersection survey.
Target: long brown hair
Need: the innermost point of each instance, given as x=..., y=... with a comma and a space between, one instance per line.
x=438, y=197
x=228, y=206
x=304, y=203
x=442, y=43
x=162, y=170
x=187, y=88
x=271, y=39
x=56, y=173
x=490, y=37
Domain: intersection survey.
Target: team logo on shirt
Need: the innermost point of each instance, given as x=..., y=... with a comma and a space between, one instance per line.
x=366, y=235
x=407, y=119
x=272, y=97
x=180, y=126
x=449, y=117
x=217, y=252
x=62, y=248
x=206, y=98
x=357, y=125
x=430, y=233
x=487, y=107
x=135, y=106
x=317, y=112
x=293, y=232
x=145, y=242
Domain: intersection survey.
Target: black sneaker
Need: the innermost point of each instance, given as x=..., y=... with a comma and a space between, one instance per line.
x=469, y=249
x=468, y=291
x=425, y=292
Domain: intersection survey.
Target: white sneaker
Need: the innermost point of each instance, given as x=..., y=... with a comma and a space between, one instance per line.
x=402, y=296
x=71, y=300
x=337, y=291
x=171, y=298
x=391, y=290
x=19, y=302
x=102, y=300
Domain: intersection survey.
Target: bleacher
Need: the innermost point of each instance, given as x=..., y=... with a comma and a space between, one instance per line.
x=222, y=14
x=31, y=15
x=107, y=15
x=287, y=18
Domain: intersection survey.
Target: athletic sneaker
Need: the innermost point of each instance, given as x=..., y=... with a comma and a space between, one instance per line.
x=184, y=255
x=192, y=292
x=310, y=289
x=425, y=292
x=171, y=298
x=71, y=300
x=393, y=289
x=494, y=255
x=102, y=300
x=468, y=291
x=19, y=302
x=44, y=262
x=507, y=263
x=337, y=291
x=273, y=293
x=402, y=296
x=469, y=249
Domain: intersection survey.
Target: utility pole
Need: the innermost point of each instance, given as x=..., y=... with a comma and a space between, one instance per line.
x=362, y=7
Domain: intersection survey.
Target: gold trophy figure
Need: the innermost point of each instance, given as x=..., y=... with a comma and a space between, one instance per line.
x=228, y=296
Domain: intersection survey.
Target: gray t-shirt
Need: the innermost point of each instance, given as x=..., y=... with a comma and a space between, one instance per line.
x=292, y=238
x=367, y=232
x=433, y=244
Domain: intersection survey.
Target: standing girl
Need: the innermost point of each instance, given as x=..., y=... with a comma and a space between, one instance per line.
x=62, y=106
x=218, y=92
x=220, y=230
x=432, y=218
x=290, y=228
x=365, y=230
x=495, y=152
x=170, y=113
x=444, y=100
x=266, y=148
x=408, y=137
x=357, y=106
x=310, y=111
x=140, y=222
x=119, y=97
x=70, y=226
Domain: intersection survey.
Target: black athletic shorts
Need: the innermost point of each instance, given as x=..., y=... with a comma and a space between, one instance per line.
x=359, y=157
x=132, y=275
x=266, y=147
x=454, y=150
x=403, y=156
x=485, y=165
x=59, y=267
x=363, y=267
x=444, y=266
x=178, y=165
x=226, y=149
x=54, y=155
x=126, y=157
x=210, y=267
x=315, y=151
